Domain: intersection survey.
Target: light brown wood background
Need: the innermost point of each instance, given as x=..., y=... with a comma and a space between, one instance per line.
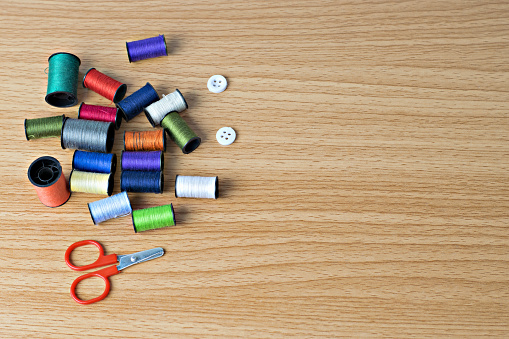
x=366, y=193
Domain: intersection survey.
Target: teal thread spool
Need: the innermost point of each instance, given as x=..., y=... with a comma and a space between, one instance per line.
x=44, y=127
x=153, y=218
x=63, y=80
x=180, y=132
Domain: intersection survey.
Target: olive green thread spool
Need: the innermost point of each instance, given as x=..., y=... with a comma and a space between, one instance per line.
x=180, y=132
x=153, y=218
x=62, y=88
x=44, y=127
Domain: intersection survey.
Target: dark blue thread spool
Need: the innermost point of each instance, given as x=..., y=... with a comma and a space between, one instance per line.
x=134, y=104
x=142, y=181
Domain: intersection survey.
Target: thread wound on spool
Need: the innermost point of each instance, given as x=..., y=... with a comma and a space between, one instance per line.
x=146, y=48
x=142, y=181
x=44, y=127
x=173, y=102
x=62, y=79
x=94, y=162
x=154, y=140
x=104, y=85
x=45, y=174
x=180, y=132
x=90, y=182
x=153, y=218
x=100, y=113
x=134, y=104
x=88, y=135
x=196, y=187
x=116, y=206
x=142, y=161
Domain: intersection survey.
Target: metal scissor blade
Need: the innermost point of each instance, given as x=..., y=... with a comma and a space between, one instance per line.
x=136, y=258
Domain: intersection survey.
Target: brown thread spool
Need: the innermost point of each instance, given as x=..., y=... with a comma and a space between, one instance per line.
x=49, y=182
x=145, y=140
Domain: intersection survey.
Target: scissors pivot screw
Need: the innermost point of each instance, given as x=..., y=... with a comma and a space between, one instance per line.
x=133, y=258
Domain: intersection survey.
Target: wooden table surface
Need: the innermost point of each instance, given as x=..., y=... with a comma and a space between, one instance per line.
x=366, y=193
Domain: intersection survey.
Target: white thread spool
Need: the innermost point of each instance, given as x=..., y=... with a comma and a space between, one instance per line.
x=117, y=205
x=196, y=187
x=173, y=102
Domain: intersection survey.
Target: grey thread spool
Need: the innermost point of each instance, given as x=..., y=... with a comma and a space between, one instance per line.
x=88, y=135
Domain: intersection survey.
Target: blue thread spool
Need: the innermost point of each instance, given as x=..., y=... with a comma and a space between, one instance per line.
x=62, y=88
x=94, y=162
x=134, y=104
x=146, y=48
x=141, y=181
x=117, y=205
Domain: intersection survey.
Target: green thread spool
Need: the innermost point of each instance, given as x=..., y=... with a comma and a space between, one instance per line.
x=153, y=218
x=63, y=80
x=44, y=127
x=180, y=132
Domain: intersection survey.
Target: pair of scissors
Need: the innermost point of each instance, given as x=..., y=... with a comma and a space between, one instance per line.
x=103, y=260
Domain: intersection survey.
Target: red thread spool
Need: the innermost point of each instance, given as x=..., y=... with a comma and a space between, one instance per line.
x=100, y=113
x=104, y=85
x=49, y=182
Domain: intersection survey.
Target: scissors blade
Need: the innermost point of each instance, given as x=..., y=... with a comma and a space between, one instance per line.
x=136, y=258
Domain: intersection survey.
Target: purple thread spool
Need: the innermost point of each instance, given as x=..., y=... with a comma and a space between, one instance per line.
x=142, y=161
x=146, y=48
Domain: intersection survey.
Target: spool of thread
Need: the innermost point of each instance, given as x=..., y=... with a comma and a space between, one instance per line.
x=44, y=127
x=146, y=48
x=173, y=102
x=196, y=187
x=45, y=173
x=142, y=161
x=89, y=182
x=154, y=140
x=94, y=162
x=88, y=135
x=100, y=113
x=141, y=181
x=104, y=85
x=134, y=104
x=62, y=88
x=153, y=218
x=117, y=205
x=180, y=132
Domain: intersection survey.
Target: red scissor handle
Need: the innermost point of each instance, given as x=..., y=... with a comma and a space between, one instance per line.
x=102, y=260
x=103, y=274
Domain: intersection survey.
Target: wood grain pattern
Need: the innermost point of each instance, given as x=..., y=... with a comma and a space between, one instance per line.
x=366, y=193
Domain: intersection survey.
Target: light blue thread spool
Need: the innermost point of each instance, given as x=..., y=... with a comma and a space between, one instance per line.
x=116, y=206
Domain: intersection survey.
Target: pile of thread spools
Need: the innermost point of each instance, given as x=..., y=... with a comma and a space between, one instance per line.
x=92, y=135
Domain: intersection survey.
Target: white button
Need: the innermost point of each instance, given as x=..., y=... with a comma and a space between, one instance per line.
x=217, y=83
x=226, y=135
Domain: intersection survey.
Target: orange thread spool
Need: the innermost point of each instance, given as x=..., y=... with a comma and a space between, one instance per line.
x=104, y=85
x=145, y=141
x=49, y=182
